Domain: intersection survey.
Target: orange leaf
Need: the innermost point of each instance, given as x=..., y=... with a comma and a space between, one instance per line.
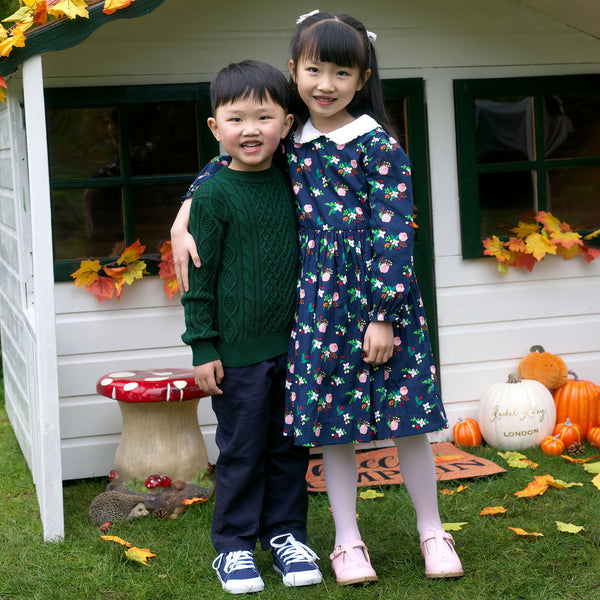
x=462, y=488
x=40, y=15
x=495, y=247
x=569, y=253
x=111, y=6
x=551, y=223
x=447, y=492
x=536, y=487
x=566, y=238
x=114, y=538
x=520, y=531
x=102, y=288
x=131, y=253
x=444, y=458
x=492, y=510
x=194, y=500
x=166, y=267
x=590, y=254
x=171, y=287
x=87, y=273
x=578, y=460
x=520, y=260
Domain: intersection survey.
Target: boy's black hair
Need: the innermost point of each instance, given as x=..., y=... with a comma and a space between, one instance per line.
x=249, y=79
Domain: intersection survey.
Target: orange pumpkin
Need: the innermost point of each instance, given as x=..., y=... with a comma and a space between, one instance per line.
x=578, y=399
x=568, y=432
x=552, y=445
x=593, y=437
x=548, y=369
x=466, y=432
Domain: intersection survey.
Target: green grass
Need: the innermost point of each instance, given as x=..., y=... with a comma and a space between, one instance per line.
x=498, y=564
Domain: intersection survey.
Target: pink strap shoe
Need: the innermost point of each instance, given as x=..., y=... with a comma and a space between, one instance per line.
x=347, y=565
x=440, y=556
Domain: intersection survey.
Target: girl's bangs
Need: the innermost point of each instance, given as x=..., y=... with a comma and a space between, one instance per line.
x=332, y=41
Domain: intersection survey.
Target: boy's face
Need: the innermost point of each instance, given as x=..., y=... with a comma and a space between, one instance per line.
x=250, y=131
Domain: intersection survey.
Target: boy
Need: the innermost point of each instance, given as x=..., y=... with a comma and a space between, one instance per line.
x=238, y=312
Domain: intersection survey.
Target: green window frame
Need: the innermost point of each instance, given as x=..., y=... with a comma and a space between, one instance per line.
x=122, y=99
x=471, y=168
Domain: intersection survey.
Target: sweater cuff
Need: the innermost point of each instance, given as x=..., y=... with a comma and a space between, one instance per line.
x=204, y=352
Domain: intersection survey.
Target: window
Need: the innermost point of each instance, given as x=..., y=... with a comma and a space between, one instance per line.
x=120, y=158
x=526, y=145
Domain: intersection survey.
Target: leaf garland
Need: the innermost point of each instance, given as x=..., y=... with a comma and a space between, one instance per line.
x=106, y=281
x=33, y=13
x=533, y=241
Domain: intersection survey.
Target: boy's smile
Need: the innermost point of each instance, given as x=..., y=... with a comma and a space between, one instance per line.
x=250, y=131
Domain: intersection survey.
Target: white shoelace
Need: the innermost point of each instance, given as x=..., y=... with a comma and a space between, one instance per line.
x=234, y=561
x=291, y=550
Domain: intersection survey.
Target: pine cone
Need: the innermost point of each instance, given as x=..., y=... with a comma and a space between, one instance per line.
x=576, y=449
x=160, y=513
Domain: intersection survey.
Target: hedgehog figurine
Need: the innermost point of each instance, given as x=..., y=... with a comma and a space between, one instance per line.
x=112, y=506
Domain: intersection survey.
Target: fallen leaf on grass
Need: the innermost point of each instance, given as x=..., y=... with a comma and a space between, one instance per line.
x=447, y=492
x=492, y=510
x=536, y=487
x=520, y=531
x=517, y=460
x=559, y=484
x=371, y=495
x=569, y=527
x=114, y=538
x=596, y=481
x=578, y=460
x=592, y=467
x=453, y=526
x=140, y=555
x=458, y=490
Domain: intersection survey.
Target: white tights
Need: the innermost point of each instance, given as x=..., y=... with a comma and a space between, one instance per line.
x=418, y=471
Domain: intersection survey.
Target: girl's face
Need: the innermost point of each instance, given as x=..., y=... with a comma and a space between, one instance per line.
x=327, y=89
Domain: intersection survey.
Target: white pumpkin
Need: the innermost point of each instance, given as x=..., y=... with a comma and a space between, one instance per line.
x=517, y=414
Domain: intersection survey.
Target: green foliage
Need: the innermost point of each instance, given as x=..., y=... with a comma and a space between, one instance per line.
x=498, y=564
x=8, y=7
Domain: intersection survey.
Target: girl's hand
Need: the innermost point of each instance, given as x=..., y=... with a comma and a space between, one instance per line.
x=378, y=344
x=208, y=376
x=183, y=246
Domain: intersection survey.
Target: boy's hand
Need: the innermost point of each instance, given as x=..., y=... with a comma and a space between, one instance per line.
x=378, y=344
x=208, y=376
x=183, y=246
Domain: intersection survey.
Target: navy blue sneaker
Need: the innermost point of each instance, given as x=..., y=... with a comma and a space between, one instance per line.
x=294, y=561
x=237, y=572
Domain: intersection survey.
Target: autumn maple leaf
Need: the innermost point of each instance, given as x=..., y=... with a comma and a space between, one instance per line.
x=87, y=273
x=551, y=223
x=495, y=247
x=589, y=253
x=70, y=9
x=16, y=40
x=133, y=271
x=566, y=238
x=111, y=6
x=539, y=245
x=524, y=229
x=131, y=253
x=102, y=288
x=40, y=15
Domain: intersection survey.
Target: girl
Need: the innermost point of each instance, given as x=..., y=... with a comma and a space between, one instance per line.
x=360, y=366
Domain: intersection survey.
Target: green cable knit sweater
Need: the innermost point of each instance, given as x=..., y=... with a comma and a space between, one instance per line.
x=241, y=301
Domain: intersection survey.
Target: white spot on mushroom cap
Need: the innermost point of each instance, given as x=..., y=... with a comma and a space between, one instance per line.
x=163, y=373
x=106, y=381
x=180, y=384
x=130, y=386
x=156, y=378
x=122, y=374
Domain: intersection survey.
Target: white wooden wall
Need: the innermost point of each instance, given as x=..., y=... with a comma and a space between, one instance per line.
x=487, y=322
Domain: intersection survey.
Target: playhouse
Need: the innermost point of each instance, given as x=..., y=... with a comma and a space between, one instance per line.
x=104, y=129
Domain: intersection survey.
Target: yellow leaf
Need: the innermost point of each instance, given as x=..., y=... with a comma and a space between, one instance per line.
x=453, y=526
x=371, y=495
x=592, y=467
x=18, y=16
x=520, y=531
x=114, y=538
x=559, y=484
x=87, y=273
x=495, y=247
x=492, y=510
x=566, y=238
x=517, y=460
x=569, y=527
x=131, y=253
x=462, y=488
x=591, y=236
x=524, y=229
x=16, y=40
x=69, y=8
x=539, y=245
x=135, y=270
x=551, y=223
x=110, y=6
x=596, y=481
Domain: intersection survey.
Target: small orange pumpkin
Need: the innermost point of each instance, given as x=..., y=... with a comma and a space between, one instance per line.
x=577, y=399
x=548, y=369
x=568, y=432
x=593, y=437
x=466, y=432
x=552, y=445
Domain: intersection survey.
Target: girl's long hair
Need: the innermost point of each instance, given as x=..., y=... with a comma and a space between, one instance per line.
x=342, y=40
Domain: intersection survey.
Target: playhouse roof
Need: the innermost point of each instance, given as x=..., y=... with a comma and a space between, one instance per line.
x=65, y=33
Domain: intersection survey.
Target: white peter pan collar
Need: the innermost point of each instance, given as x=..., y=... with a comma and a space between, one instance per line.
x=343, y=135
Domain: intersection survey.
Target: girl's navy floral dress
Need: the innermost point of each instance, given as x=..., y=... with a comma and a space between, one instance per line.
x=355, y=220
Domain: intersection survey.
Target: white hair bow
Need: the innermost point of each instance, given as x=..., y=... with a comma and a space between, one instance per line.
x=304, y=17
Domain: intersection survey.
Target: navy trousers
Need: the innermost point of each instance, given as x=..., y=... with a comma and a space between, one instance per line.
x=261, y=476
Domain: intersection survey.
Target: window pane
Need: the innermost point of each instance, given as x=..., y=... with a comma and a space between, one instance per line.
x=86, y=223
x=572, y=125
x=395, y=107
x=573, y=196
x=505, y=199
x=154, y=208
x=163, y=139
x=83, y=143
x=504, y=130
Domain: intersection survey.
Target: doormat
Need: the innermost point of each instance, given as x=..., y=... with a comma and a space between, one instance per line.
x=380, y=467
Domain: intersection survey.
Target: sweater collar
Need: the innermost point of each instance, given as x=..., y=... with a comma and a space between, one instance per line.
x=343, y=135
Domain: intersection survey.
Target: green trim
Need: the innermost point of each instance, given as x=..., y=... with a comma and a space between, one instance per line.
x=466, y=91
x=66, y=33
